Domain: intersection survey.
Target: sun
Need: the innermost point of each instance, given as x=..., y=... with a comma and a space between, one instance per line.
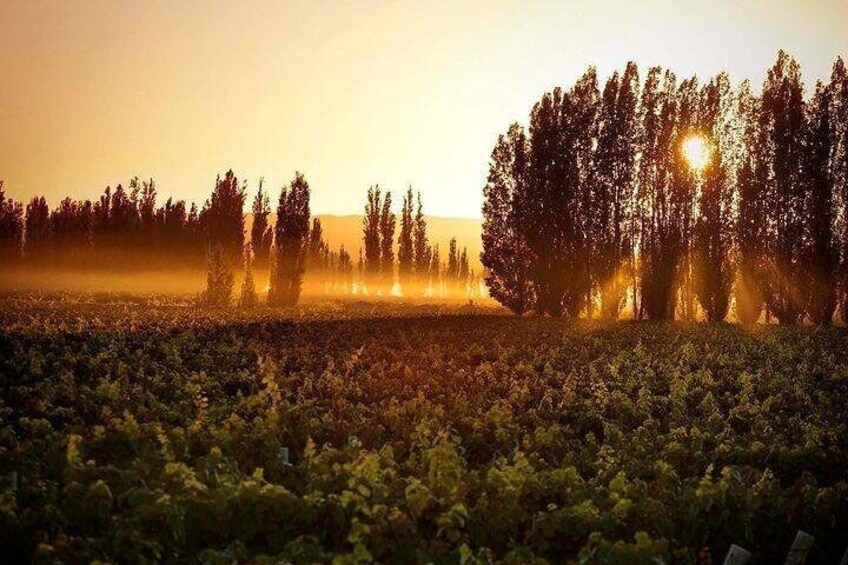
x=696, y=150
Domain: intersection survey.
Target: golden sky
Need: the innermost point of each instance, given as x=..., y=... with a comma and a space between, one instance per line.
x=351, y=93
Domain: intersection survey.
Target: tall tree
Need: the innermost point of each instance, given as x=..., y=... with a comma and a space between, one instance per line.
x=553, y=208
x=782, y=123
x=505, y=255
x=223, y=216
x=421, y=247
x=317, y=249
x=581, y=129
x=542, y=209
x=712, y=245
x=661, y=240
x=371, y=239
x=388, y=221
x=750, y=220
x=613, y=188
x=839, y=125
x=684, y=177
x=290, y=243
x=261, y=234
x=822, y=251
x=406, y=243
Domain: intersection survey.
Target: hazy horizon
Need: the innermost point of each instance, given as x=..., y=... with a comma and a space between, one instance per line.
x=352, y=94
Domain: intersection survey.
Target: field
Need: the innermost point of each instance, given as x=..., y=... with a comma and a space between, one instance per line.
x=144, y=429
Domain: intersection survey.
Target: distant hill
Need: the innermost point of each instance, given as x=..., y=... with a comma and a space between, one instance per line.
x=347, y=231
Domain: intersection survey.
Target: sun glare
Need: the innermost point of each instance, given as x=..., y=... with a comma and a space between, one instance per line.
x=697, y=152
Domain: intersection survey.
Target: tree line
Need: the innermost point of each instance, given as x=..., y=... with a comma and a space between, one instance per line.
x=125, y=228
x=418, y=267
x=674, y=198
x=116, y=229
x=292, y=246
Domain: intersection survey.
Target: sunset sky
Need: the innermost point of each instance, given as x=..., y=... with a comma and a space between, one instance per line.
x=351, y=93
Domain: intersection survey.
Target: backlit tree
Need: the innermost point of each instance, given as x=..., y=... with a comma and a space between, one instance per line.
x=291, y=233
x=505, y=255
x=406, y=243
x=261, y=234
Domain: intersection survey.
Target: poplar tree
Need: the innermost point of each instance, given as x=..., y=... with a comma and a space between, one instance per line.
x=839, y=134
x=660, y=237
x=683, y=193
x=261, y=234
x=406, y=243
x=388, y=221
x=613, y=188
x=290, y=243
x=317, y=249
x=750, y=221
x=554, y=207
x=421, y=247
x=370, y=259
x=822, y=257
x=782, y=123
x=712, y=244
x=506, y=256
x=581, y=130
x=543, y=209
x=222, y=217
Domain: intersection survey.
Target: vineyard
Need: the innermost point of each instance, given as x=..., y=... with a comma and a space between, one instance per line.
x=148, y=430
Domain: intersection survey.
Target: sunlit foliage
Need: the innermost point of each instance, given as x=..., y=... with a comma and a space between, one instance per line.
x=155, y=430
